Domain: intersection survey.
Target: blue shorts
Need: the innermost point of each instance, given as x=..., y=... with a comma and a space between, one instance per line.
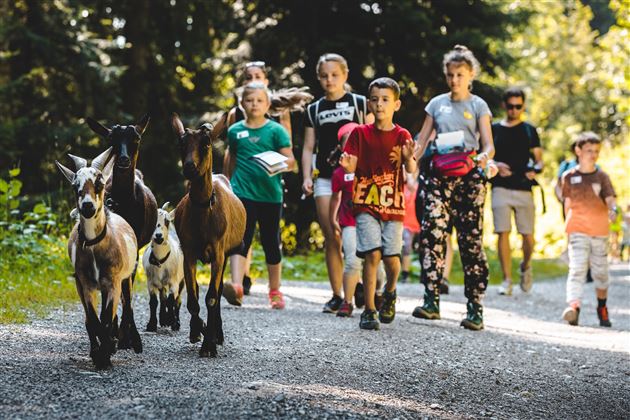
x=374, y=234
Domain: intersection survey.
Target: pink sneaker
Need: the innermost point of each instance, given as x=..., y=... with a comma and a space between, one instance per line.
x=276, y=299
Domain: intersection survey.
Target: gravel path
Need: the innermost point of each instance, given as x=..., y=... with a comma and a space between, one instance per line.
x=300, y=363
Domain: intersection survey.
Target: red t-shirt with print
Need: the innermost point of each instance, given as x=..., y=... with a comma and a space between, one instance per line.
x=341, y=181
x=379, y=178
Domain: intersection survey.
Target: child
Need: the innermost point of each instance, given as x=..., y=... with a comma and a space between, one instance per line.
x=323, y=119
x=411, y=226
x=376, y=154
x=260, y=193
x=589, y=200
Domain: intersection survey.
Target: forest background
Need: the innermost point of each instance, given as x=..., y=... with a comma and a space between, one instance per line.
x=64, y=60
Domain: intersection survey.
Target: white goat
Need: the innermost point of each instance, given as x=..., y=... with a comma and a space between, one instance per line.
x=164, y=265
x=103, y=249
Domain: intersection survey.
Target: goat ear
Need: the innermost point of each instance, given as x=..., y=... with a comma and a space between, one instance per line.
x=79, y=162
x=108, y=169
x=142, y=125
x=220, y=126
x=178, y=126
x=66, y=172
x=98, y=128
x=171, y=214
x=101, y=160
x=165, y=206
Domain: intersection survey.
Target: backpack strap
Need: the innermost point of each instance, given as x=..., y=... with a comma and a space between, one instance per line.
x=313, y=116
x=360, y=114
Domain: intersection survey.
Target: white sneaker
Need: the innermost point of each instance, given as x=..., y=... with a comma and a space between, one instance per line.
x=506, y=288
x=527, y=278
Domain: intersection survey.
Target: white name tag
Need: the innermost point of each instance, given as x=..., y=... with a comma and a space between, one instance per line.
x=242, y=134
x=576, y=179
x=446, y=109
x=348, y=177
x=342, y=105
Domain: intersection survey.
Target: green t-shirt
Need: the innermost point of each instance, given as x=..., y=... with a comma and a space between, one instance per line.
x=249, y=180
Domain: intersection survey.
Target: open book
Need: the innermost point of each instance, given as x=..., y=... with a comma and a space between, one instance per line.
x=272, y=162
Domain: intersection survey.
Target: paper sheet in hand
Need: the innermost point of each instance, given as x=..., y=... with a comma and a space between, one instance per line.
x=272, y=162
x=450, y=142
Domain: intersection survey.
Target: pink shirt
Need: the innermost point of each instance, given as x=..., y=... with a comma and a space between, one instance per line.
x=341, y=181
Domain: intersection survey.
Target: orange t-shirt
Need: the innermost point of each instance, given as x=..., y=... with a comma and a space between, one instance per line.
x=585, y=204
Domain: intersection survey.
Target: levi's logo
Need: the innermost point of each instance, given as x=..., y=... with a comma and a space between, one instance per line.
x=335, y=115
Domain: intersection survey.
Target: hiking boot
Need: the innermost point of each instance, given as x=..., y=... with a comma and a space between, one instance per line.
x=345, y=310
x=247, y=284
x=506, y=288
x=233, y=293
x=571, y=315
x=474, y=317
x=276, y=299
x=378, y=301
x=602, y=314
x=430, y=308
x=333, y=305
x=369, y=321
x=527, y=278
x=359, y=296
x=388, y=310
x=444, y=286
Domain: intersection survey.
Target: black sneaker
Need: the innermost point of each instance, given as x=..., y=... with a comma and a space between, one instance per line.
x=474, y=317
x=444, y=286
x=602, y=314
x=430, y=308
x=359, y=296
x=333, y=305
x=247, y=284
x=369, y=321
x=388, y=310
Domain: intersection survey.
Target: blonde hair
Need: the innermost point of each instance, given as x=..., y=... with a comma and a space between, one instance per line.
x=461, y=55
x=254, y=86
x=336, y=58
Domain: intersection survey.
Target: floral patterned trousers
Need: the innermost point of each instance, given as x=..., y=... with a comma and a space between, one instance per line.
x=461, y=199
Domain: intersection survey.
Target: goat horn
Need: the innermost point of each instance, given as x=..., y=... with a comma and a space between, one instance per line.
x=79, y=162
x=101, y=160
x=165, y=206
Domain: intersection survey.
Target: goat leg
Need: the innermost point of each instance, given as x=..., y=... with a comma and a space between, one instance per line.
x=153, y=302
x=89, y=307
x=164, y=321
x=177, y=304
x=192, y=289
x=213, y=301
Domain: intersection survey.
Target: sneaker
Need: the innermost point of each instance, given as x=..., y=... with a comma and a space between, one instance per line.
x=602, y=314
x=388, y=309
x=430, y=308
x=571, y=315
x=527, y=278
x=359, y=296
x=333, y=305
x=378, y=301
x=369, y=321
x=247, y=284
x=474, y=317
x=506, y=288
x=345, y=310
x=233, y=293
x=444, y=286
x=276, y=299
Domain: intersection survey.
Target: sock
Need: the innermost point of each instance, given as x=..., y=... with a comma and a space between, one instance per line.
x=405, y=275
x=601, y=303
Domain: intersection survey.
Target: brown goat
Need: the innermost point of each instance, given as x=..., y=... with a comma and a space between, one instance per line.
x=210, y=223
x=103, y=248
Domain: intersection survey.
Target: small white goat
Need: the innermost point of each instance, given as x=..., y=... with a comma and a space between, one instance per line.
x=164, y=265
x=103, y=249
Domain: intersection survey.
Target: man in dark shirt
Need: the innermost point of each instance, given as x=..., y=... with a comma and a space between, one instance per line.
x=518, y=157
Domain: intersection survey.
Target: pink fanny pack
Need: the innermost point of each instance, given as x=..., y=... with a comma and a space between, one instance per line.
x=453, y=164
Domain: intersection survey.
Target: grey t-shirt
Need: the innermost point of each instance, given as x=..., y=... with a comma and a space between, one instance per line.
x=451, y=115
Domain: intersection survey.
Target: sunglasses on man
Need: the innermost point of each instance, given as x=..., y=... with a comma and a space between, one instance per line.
x=511, y=106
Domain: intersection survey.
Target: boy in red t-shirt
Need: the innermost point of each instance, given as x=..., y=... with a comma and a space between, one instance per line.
x=376, y=154
x=589, y=202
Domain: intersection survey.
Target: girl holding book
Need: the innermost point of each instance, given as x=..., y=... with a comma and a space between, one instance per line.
x=260, y=193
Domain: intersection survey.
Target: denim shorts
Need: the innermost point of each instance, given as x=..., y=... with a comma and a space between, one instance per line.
x=322, y=187
x=374, y=234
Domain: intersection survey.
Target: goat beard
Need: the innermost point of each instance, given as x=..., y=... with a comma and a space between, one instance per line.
x=289, y=99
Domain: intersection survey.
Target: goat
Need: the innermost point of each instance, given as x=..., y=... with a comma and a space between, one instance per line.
x=126, y=194
x=103, y=250
x=210, y=223
x=164, y=265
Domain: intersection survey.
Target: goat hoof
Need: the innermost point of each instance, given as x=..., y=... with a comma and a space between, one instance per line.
x=152, y=326
x=136, y=341
x=102, y=360
x=175, y=326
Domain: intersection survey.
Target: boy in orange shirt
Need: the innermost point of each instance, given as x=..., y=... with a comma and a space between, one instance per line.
x=376, y=154
x=589, y=201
